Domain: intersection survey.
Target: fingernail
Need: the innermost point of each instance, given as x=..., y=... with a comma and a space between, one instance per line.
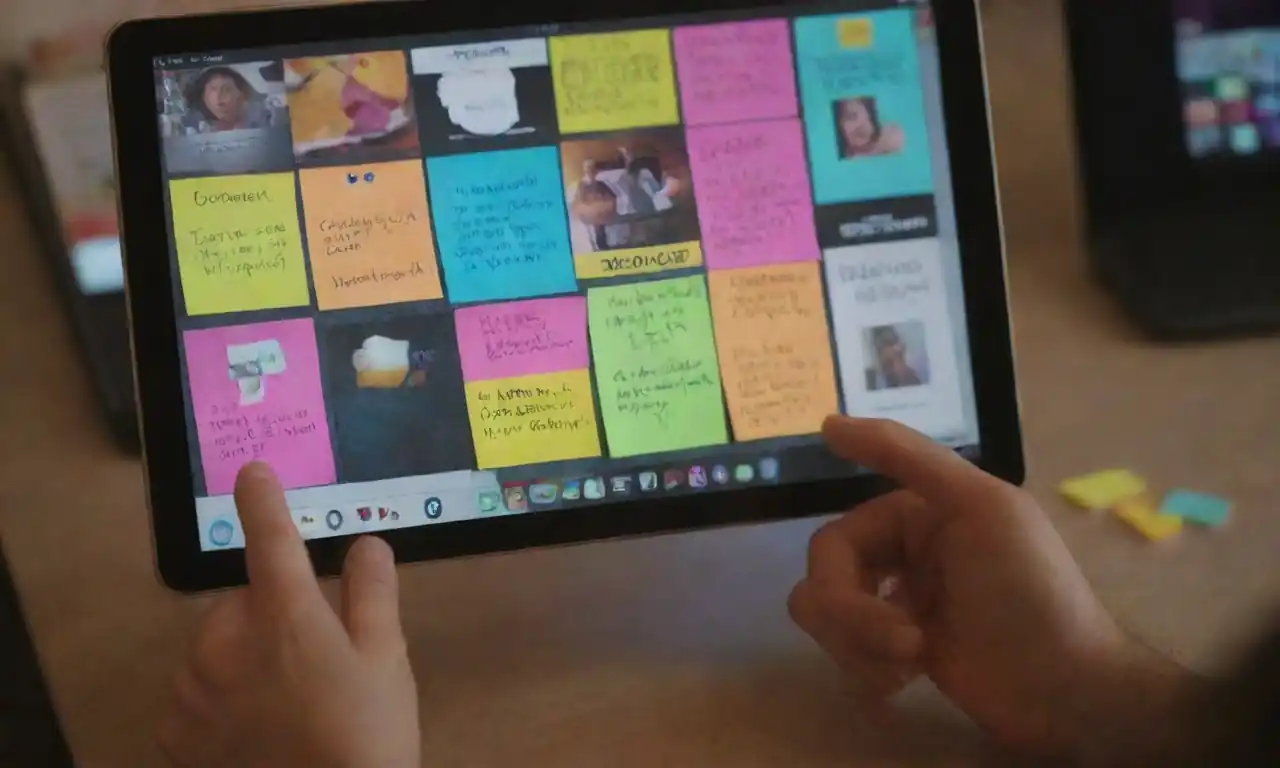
x=256, y=470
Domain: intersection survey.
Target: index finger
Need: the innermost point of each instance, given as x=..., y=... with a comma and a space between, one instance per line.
x=935, y=472
x=275, y=555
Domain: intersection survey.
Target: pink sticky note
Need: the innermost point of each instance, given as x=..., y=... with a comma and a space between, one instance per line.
x=735, y=71
x=752, y=188
x=276, y=416
x=521, y=338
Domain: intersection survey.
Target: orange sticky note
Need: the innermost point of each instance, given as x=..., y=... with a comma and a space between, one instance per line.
x=773, y=345
x=369, y=234
x=1141, y=514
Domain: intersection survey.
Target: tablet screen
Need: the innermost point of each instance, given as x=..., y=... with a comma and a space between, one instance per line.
x=1229, y=70
x=449, y=277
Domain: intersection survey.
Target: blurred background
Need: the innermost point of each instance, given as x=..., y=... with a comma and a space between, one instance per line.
x=1139, y=180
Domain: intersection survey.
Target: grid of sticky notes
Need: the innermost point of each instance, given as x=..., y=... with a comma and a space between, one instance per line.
x=1126, y=494
x=697, y=316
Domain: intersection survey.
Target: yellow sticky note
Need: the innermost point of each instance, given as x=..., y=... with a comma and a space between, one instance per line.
x=1141, y=514
x=533, y=419
x=238, y=242
x=614, y=80
x=855, y=32
x=1102, y=490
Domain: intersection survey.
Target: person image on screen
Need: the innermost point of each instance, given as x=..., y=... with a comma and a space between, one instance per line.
x=892, y=369
x=860, y=132
x=225, y=101
x=595, y=205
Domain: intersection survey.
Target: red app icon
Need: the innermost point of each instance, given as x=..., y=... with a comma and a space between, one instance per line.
x=365, y=513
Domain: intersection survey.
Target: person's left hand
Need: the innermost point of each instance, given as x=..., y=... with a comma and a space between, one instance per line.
x=276, y=678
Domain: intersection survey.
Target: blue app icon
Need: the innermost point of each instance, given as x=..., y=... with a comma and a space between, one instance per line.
x=221, y=532
x=433, y=507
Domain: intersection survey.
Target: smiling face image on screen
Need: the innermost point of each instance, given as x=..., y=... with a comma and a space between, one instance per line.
x=861, y=131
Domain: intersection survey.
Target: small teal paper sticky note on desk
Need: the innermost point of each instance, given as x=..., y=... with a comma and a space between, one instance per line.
x=1194, y=507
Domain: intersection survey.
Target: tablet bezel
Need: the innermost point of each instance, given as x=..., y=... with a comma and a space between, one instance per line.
x=183, y=566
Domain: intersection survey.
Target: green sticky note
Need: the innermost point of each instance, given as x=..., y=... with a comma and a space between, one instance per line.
x=655, y=364
x=1195, y=507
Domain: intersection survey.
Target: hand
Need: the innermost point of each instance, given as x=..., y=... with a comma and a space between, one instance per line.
x=275, y=678
x=962, y=577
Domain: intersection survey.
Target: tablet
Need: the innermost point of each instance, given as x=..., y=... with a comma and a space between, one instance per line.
x=536, y=277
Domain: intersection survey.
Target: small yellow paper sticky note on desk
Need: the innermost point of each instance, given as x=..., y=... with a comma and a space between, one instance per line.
x=1102, y=490
x=1141, y=514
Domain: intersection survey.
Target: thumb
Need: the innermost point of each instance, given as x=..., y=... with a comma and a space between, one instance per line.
x=371, y=597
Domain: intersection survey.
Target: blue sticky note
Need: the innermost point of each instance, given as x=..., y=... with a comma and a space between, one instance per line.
x=1195, y=507
x=864, y=106
x=501, y=227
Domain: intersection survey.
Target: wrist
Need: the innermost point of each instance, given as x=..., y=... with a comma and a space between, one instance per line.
x=1131, y=706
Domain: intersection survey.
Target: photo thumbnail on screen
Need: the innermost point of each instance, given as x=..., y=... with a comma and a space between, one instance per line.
x=355, y=108
x=224, y=118
x=632, y=190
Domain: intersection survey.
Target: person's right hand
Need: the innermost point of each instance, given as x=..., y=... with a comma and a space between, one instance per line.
x=960, y=576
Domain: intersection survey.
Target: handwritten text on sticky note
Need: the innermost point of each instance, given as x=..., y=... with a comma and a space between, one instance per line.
x=256, y=395
x=533, y=419
x=613, y=80
x=521, y=338
x=775, y=357
x=501, y=224
x=655, y=360
x=735, y=72
x=753, y=194
x=238, y=243
x=369, y=234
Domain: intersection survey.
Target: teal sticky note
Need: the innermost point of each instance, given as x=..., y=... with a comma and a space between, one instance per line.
x=1195, y=507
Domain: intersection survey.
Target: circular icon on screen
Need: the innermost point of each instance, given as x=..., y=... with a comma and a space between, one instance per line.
x=220, y=533
x=434, y=508
x=333, y=519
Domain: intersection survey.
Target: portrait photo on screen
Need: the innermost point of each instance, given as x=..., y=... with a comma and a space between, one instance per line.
x=224, y=119
x=629, y=190
x=861, y=131
x=484, y=96
x=396, y=393
x=355, y=108
x=896, y=356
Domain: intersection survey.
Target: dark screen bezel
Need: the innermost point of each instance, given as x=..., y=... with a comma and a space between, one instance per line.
x=131, y=50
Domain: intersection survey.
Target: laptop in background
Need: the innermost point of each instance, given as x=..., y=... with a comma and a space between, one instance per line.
x=58, y=134
x=1178, y=118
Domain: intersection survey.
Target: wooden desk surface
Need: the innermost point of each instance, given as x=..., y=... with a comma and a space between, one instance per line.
x=677, y=650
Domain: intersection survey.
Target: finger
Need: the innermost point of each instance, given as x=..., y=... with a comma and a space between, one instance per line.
x=867, y=625
x=902, y=454
x=866, y=539
x=275, y=554
x=873, y=677
x=190, y=697
x=371, y=597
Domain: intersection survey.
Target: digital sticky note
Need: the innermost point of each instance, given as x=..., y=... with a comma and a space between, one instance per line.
x=753, y=194
x=657, y=377
x=613, y=80
x=522, y=338
x=863, y=102
x=500, y=224
x=238, y=243
x=1193, y=507
x=369, y=234
x=1103, y=489
x=1143, y=517
x=256, y=396
x=735, y=72
x=533, y=419
x=393, y=384
x=892, y=326
x=775, y=357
